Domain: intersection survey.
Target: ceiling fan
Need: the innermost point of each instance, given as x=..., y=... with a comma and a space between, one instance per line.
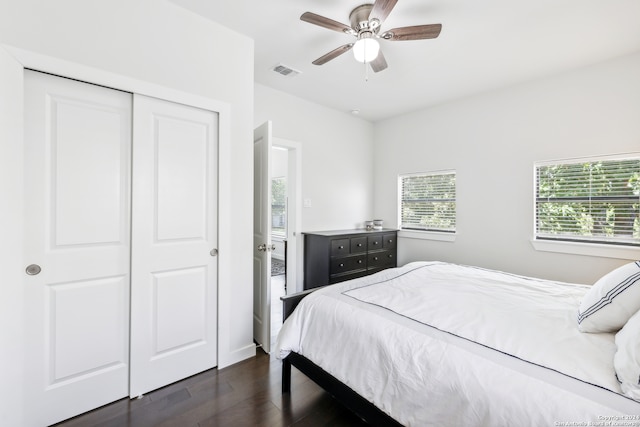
x=366, y=21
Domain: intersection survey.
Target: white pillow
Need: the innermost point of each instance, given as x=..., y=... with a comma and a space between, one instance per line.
x=611, y=301
x=626, y=361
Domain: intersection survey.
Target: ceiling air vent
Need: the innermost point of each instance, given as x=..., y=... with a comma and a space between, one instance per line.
x=285, y=71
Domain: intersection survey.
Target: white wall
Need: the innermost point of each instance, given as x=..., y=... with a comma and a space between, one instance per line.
x=337, y=158
x=492, y=140
x=158, y=42
x=11, y=268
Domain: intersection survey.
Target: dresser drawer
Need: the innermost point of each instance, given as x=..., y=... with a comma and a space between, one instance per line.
x=358, y=244
x=339, y=247
x=374, y=243
x=336, y=278
x=381, y=259
x=346, y=264
x=389, y=241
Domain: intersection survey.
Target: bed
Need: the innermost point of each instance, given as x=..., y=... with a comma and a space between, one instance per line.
x=440, y=344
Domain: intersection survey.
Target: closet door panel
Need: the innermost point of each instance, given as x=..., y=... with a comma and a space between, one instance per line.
x=185, y=292
x=174, y=275
x=181, y=179
x=86, y=173
x=77, y=216
x=103, y=301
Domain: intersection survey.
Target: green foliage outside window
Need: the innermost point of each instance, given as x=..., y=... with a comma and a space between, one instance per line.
x=278, y=205
x=594, y=201
x=428, y=202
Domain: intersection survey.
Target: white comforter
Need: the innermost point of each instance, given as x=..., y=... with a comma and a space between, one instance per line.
x=446, y=345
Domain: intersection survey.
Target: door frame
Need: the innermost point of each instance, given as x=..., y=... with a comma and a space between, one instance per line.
x=13, y=61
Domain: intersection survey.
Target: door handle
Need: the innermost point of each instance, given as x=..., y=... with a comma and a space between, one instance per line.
x=33, y=269
x=214, y=252
x=266, y=248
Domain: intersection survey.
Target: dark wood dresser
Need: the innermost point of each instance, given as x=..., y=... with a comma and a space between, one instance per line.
x=335, y=256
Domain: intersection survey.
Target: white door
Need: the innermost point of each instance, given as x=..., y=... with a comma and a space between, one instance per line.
x=262, y=236
x=76, y=246
x=174, y=239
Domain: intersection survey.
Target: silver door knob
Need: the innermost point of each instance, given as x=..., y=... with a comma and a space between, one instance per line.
x=262, y=247
x=213, y=252
x=33, y=269
x=271, y=248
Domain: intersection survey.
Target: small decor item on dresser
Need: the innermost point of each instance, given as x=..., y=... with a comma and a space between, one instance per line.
x=368, y=225
x=377, y=224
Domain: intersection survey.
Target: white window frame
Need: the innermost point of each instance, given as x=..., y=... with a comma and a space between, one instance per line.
x=439, y=235
x=607, y=250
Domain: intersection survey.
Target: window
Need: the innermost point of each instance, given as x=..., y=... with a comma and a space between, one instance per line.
x=278, y=206
x=428, y=201
x=589, y=200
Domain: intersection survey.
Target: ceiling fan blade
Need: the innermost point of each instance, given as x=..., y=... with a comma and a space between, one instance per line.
x=379, y=63
x=417, y=32
x=333, y=54
x=382, y=9
x=322, y=21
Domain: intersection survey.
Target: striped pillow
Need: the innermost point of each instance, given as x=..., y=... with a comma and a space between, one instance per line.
x=611, y=301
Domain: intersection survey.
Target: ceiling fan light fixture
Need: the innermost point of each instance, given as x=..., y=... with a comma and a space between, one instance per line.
x=366, y=48
x=366, y=21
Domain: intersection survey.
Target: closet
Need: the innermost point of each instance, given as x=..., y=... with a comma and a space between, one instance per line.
x=120, y=244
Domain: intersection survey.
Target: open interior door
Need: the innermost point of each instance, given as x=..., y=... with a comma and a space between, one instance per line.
x=262, y=245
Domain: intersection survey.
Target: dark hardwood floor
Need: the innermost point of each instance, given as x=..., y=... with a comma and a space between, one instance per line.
x=245, y=394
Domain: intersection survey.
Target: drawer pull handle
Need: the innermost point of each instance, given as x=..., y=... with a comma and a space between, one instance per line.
x=390, y=241
x=375, y=258
x=359, y=245
x=340, y=247
x=375, y=243
x=390, y=256
x=341, y=265
x=359, y=261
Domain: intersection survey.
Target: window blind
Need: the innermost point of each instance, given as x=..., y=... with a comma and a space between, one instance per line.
x=589, y=201
x=428, y=201
x=279, y=206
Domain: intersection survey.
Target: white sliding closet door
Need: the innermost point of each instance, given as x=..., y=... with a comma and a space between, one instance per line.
x=76, y=247
x=174, y=239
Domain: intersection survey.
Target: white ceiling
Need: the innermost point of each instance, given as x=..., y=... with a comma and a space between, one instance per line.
x=483, y=45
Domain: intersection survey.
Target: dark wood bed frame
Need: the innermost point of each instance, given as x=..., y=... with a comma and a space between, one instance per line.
x=343, y=393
